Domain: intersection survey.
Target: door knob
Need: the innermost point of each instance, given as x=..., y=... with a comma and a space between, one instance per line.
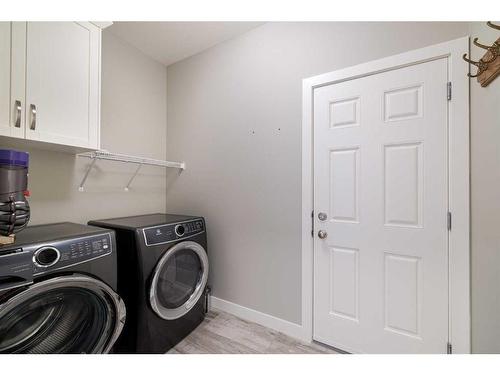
x=322, y=234
x=322, y=216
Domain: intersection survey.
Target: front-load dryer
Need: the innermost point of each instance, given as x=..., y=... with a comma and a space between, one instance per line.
x=58, y=291
x=162, y=276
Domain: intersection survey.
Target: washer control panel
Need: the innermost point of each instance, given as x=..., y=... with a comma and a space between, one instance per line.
x=172, y=232
x=65, y=253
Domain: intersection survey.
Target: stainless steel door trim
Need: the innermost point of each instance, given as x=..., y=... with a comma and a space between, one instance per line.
x=14, y=285
x=33, y=333
x=101, y=289
x=170, y=314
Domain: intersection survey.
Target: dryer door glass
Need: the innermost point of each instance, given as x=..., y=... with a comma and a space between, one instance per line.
x=179, y=280
x=73, y=314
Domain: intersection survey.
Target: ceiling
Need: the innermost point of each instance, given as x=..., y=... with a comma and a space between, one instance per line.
x=169, y=42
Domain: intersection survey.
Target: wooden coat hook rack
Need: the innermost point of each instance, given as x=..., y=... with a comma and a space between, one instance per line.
x=488, y=66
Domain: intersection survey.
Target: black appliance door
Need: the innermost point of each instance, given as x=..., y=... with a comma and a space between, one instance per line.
x=179, y=280
x=66, y=314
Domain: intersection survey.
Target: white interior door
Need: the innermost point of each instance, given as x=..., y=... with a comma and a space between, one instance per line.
x=380, y=176
x=62, y=83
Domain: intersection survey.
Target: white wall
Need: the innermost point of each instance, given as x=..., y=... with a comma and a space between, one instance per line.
x=234, y=115
x=133, y=121
x=485, y=202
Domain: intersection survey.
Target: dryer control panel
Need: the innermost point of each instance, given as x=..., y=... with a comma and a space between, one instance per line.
x=163, y=234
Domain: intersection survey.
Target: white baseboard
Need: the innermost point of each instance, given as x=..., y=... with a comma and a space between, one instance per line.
x=288, y=328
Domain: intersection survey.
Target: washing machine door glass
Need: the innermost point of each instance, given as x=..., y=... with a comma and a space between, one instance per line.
x=68, y=314
x=179, y=280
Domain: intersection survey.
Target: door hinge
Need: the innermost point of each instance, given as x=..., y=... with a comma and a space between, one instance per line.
x=448, y=90
x=312, y=224
x=449, y=220
x=449, y=348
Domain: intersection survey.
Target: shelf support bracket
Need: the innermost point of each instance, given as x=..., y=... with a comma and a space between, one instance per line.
x=133, y=177
x=105, y=155
x=91, y=165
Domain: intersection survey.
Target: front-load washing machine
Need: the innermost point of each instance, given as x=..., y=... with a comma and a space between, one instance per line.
x=162, y=276
x=58, y=291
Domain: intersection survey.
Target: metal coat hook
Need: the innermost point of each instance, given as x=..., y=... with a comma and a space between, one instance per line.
x=481, y=66
x=492, y=25
x=494, y=50
x=488, y=67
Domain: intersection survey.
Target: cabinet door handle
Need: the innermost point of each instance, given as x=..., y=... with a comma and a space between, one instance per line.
x=17, y=121
x=33, y=116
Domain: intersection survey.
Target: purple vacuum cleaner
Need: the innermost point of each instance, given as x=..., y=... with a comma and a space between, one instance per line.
x=14, y=208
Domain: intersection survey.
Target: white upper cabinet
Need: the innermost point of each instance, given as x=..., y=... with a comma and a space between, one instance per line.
x=5, y=78
x=62, y=83
x=50, y=82
x=12, y=78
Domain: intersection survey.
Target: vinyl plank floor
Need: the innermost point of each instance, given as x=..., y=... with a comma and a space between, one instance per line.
x=223, y=333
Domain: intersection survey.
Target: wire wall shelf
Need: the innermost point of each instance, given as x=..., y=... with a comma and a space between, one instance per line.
x=140, y=161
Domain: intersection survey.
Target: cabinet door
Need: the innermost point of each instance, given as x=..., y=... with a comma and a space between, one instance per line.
x=5, y=78
x=12, y=73
x=62, y=83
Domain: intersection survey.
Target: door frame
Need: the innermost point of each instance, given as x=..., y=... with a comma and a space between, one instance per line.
x=458, y=177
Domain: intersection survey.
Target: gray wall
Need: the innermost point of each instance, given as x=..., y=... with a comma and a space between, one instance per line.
x=485, y=199
x=133, y=121
x=234, y=115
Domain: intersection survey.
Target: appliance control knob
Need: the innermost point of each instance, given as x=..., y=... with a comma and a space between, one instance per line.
x=180, y=230
x=46, y=256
